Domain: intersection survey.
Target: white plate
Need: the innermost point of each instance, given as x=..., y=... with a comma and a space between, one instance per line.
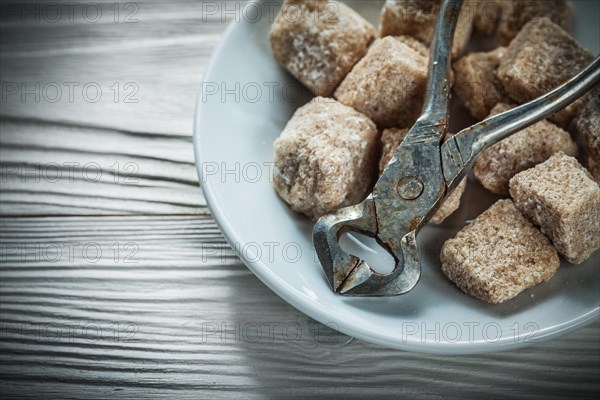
x=234, y=132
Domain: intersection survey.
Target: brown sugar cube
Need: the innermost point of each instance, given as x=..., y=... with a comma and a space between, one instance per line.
x=476, y=82
x=499, y=255
x=417, y=19
x=388, y=84
x=415, y=45
x=588, y=127
x=560, y=197
x=319, y=42
x=451, y=204
x=516, y=13
x=540, y=58
x=520, y=151
x=391, y=139
x=486, y=15
x=325, y=158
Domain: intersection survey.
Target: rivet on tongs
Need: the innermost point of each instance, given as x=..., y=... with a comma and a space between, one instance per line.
x=410, y=187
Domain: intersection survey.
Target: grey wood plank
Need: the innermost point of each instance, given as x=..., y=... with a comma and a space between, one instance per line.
x=178, y=313
x=57, y=169
x=187, y=320
x=140, y=76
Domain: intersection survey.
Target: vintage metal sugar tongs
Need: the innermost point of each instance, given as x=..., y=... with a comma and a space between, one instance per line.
x=421, y=174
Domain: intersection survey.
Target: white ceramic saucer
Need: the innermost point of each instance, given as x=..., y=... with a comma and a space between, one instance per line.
x=246, y=100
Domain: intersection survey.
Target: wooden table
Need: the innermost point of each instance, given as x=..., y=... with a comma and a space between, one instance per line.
x=115, y=280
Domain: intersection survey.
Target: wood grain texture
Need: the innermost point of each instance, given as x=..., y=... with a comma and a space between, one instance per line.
x=188, y=320
x=57, y=169
x=154, y=61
